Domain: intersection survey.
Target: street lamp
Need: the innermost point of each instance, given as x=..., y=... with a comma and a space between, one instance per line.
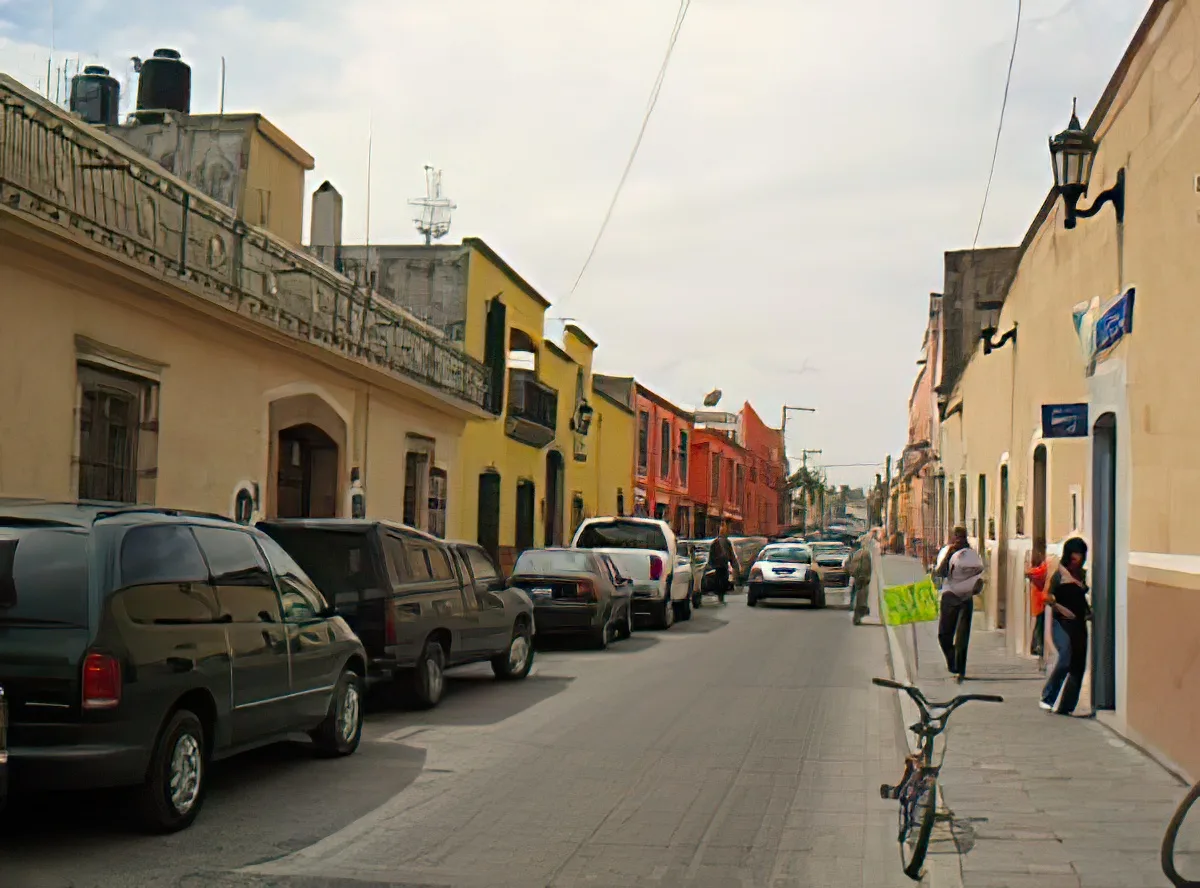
x=1072, y=154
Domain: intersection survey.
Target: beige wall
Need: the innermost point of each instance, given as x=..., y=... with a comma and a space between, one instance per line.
x=272, y=173
x=217, y=385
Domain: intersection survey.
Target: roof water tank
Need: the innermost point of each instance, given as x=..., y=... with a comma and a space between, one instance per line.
x=165, y=83
x=96, y=96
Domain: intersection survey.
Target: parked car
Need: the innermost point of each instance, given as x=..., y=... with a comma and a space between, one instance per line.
x=419, y=604
x=831, y=558
x=646, y=551
x=785, y=570
x=575, y=592
x=141, y=643
x=3, y=749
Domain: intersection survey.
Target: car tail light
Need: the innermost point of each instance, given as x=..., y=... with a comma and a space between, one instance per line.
x=756, y=574
x=101, y=681
x=585, y=590
x=389, y=622
x=656, y=567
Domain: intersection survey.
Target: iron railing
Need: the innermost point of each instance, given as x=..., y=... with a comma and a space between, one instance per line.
x=60, y=171
x=532, y=400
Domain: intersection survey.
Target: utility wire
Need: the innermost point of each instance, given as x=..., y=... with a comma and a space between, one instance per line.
x=1000, y=127
x=654, y=91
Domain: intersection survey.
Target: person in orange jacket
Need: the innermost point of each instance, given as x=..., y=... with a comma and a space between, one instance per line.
x=1036, y=574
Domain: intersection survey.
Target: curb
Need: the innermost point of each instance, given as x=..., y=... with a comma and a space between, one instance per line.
x=941, y=870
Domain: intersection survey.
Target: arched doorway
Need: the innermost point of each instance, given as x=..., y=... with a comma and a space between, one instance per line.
x=1104, y=562
x=555, y=469
x=1002, y=552
x=488, y=521
x=307, y=458
x=307, y=481
x=525, y=504
x=1039, y=498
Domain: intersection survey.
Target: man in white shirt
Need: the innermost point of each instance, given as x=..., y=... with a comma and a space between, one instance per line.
x=960, y=572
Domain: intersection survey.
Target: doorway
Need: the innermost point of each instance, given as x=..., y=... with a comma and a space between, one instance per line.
x=525, y=501
x=1002, y=553
x=488, y=521
x=554, y=498
x=1104, y=562
x=1039, y=498
x=307, y=480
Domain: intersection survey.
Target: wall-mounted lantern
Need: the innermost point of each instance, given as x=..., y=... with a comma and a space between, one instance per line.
x=1072, y=153
x=990, y=343
x=582, y=420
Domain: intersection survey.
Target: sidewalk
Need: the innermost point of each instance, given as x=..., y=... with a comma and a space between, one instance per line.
x=1035, y=799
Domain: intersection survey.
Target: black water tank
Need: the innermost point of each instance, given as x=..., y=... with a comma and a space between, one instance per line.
x=165, y=83
x=96, y=96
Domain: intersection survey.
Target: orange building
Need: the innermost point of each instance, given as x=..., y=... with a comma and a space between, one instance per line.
x=662, y=458
x=718, y=484
x=766, y=474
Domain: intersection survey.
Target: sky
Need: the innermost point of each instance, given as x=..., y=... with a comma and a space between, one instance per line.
x=806, y=167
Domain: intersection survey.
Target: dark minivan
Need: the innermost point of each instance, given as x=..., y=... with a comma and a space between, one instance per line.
x=419, y=604
x=138, y=644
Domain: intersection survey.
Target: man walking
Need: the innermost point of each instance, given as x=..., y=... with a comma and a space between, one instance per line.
x=961, y=573
x=860, y=575
x=720, y=557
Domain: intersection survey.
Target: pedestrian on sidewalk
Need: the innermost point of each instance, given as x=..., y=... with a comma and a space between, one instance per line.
x=1036, y=574
x=860, y=575
x=961, y=575
x=720, y=560
x=1066, y=594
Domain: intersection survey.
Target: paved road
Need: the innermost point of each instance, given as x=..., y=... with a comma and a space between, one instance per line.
x=744, y=748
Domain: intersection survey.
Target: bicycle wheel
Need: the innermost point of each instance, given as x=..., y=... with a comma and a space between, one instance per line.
x=1168, y=845
x=917, y=814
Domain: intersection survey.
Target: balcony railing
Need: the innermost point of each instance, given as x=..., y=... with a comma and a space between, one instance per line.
x=532, y=409
x=97, y=190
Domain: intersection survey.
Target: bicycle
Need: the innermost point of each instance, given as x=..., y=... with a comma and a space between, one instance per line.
x=917, y=790
x=1172, y=833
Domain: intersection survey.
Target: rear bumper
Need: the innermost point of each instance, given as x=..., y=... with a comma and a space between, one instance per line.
x=555, y=619
x=835, y=578
x=75, y=767
x=805, y=591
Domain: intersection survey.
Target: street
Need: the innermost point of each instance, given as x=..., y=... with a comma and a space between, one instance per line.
x=744, y=747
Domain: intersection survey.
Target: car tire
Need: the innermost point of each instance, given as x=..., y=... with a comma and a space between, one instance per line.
x=181, y=753
x=683, y=610
x=602, y=636
x=820, y=599
x=424, y=685
x=341, y=731
x=625, y=627
x=514, y=664
x=665, y=618
x=751, y=600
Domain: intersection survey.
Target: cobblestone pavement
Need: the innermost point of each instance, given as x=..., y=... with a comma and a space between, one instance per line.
x=743, y=748
x=1037, y=799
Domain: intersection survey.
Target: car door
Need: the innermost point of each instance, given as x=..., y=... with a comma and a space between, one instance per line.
x=428, y=596
x=260, y=673
x=486, y=586
x=316, y=661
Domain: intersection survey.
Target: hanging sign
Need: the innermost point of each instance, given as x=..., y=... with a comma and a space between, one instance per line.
x=1064, y=420
x=915, y=603
x=1100, y=329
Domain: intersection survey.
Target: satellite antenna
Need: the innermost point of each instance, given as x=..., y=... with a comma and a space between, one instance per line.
x=712, y=398
x=434, y=218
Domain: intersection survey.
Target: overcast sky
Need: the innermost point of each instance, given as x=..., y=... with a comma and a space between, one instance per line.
x=808, y=162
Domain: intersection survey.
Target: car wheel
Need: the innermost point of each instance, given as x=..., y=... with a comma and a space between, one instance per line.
x=514, y=664
x=425, y=684
x=820, y=599
x=601, y=636
x=751, y=600
x=341, y=731
x=625, y=627
x=177, y=777
x=666, y=614
x=683, y=610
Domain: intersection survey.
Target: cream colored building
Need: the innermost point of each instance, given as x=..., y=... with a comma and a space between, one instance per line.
x=158, y=347
x=1131, y=486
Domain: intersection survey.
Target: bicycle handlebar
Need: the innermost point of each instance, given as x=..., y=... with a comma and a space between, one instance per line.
x=925, y=704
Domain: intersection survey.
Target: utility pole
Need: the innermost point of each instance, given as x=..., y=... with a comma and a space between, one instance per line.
x=787, y=486
x=887, y=496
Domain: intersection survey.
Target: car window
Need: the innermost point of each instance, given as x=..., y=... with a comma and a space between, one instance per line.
x=243, y=583
x=338, y=561
x=297, y=592
x=426, y=561
x=161, y=553
x=622, y=535
x=481, y=565
x=397, y=557
x=614, y=572
x=789, y=554
x=43, y=575
x=541, y=561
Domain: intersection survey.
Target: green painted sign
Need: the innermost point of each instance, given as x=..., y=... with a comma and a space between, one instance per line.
x=915, y=603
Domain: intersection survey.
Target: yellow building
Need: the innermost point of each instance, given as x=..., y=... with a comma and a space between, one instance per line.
x=1129, y=484
x=157, y=348
x=550, y=456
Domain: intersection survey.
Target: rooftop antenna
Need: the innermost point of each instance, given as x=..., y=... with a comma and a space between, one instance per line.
x=434, y=220
x=221, y=105
x=370, y=142
x=50, y=61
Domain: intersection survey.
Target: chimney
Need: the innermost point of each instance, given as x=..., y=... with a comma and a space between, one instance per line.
x=326, y=235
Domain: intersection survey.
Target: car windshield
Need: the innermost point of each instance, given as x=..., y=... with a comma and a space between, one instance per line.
x=790, y=554
x=43, y=575
x=622, y=535
x=541, y=561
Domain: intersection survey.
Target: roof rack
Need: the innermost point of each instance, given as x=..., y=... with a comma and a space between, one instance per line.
x=158, y=510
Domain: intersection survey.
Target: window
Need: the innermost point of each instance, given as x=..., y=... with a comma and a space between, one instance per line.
x=426, y=562
x=338, y=561
x=416, y=476
x=643, y=442
x=118, y=435
x=576, y=512
x=716, y=475
x=741, y=483
x=664, y=459
x=660, y=511
x=239, y=572
x=43, y=575
x=300, y=603
x=481, y=565
x=437, y=502
x=981, y=518
x=622, y=535
x=164, y=578
x=683, y=457
x=539, y=562
x=283, y=565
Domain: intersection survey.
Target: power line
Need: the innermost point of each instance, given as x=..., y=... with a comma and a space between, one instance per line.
x=654, y=91
x=1000, y=127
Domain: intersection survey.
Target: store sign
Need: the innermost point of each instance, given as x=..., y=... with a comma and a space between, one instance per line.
x=1064, y=420
x=1100, y=329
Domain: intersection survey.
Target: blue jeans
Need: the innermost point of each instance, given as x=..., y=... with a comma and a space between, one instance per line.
x=1067, y=673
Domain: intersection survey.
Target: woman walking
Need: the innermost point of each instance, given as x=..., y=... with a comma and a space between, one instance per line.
x=1066, y=596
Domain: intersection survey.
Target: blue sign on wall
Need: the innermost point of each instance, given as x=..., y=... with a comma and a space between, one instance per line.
x=1116, y=322
x=1064, y=420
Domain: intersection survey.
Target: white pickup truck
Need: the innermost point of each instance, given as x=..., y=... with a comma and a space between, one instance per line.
x=644, y=550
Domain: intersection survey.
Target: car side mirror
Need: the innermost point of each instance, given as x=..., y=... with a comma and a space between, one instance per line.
x=327, y=612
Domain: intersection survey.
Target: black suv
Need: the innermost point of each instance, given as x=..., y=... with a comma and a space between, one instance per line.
x=419, y=604
x=138, y=644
